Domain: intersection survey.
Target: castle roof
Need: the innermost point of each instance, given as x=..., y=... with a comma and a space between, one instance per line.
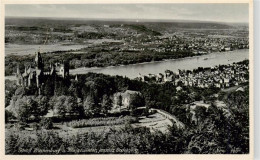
x=38, y=72
x=25, y=74
x=19, y=75
x=30, y=70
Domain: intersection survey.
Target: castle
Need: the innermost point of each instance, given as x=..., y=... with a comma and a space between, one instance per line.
x=36, y=74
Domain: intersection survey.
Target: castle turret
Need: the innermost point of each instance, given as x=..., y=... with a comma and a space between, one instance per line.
x=18, y=72
x=19, y=78
x=52, y=69
x=38, y=61
x=25, y=69
x=64, y=69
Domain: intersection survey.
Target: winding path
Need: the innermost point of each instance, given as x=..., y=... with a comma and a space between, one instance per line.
x=169, y=116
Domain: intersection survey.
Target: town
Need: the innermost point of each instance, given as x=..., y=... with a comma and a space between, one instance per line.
x=134, y=37
x=222, y=76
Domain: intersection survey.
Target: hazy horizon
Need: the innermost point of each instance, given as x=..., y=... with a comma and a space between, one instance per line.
x=225, y=13
x=127, y=20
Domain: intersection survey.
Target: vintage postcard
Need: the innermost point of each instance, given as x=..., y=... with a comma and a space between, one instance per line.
x=127, y=79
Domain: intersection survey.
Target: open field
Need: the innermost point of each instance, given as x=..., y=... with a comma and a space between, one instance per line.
x=15, y=49
x=30, y=49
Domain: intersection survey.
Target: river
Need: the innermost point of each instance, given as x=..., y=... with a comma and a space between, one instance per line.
x=189, y=63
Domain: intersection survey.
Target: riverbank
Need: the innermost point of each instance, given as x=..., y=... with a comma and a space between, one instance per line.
x=188, y=63
x=156, y=67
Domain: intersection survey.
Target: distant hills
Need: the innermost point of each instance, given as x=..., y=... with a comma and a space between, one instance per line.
x=153, y=23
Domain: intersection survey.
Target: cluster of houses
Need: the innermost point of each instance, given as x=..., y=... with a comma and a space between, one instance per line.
x=188, y=41
x=222, y=76
x=182, y=40
x=196, y=45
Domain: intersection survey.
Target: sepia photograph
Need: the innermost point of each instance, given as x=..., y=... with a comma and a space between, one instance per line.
x=127, y=78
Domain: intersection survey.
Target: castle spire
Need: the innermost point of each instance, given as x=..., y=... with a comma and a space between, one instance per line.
x=18, y=70
x=25, y=69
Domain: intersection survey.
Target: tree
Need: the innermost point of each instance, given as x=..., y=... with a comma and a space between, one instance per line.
x=65, y=104
x=48, y=88
x=8, y=116
x=22, y=109
x=90, y=106
x=46, y=123
x=59, y=106
x=149, y=103
x=61, y=87
x=20, y=91
x=43, y=105
x=10, y=88
x=106, y=104
x=136, y=100
x=71, y=104
x=181, y=113
x=12, y=143
x=200, y=113
x=73, y=89
x=119, y=101
x=33, y=107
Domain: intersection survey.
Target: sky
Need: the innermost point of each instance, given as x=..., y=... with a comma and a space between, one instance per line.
x=202, y=12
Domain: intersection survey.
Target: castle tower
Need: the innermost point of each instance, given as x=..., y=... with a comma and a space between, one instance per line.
x=64, y=69
x=18, y=76
x=18, y=72
x=25, y=69
x=38, y=61
x=52, y=70
x=25, y=77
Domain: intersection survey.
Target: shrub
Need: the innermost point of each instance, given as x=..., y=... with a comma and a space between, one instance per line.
x=46, y=123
